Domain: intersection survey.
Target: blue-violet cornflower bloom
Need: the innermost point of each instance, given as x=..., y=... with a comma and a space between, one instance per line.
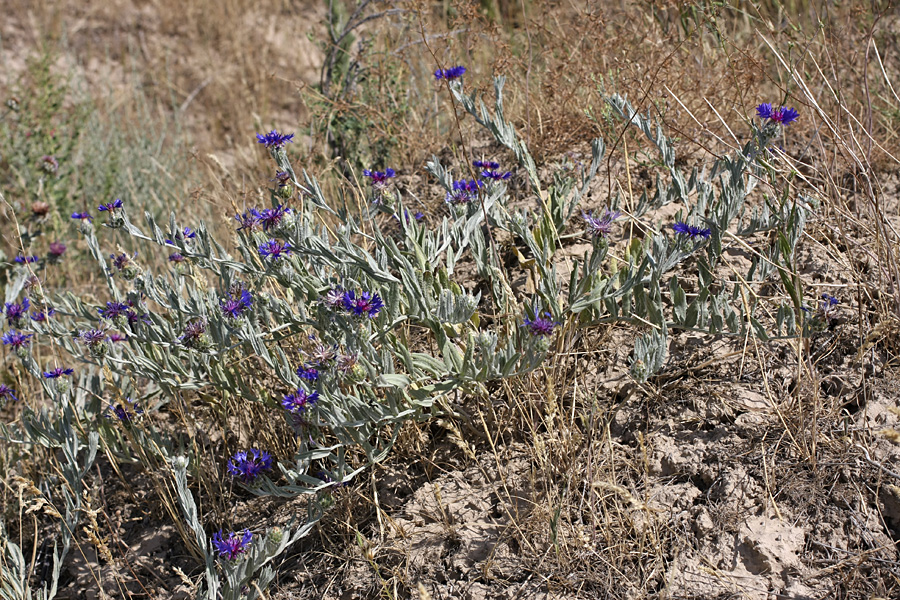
x=15, y=312
x=113, y=310
x=41, y=316
x=283, y=178
x=367, y=303
x=110, y=206
x=91, y=337
x=247, y=220
x=233, y=545
x=488, y=165
x=7, y=393
x=188, y=234
x=464, y=191
x=380, y=178
x=541, y=325
x=125, y=412
x=782, y=115
x=247, y=466
x=691, y=231
x=828, y=300
x=57, y=372
x=308, y=373
x=600, y=226
x=496, y=175
x=81, y=216
x=274, y=249
x=24, y=260
x=233, y=307
x=16, y=339
x=56, y=249
x=176, y=258
x=299, y=401
x=269, y=217
x=273, y=139
x=450, y=74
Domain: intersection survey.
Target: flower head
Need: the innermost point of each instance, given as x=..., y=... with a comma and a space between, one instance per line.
x=496, y=175
x=16, y=340
x=782, y=115
x=450, y=74
x=541, y=325
x=126, y=412
x=485, y=164
x=269, y=217
x=380, y=178
x=82, y=216
x=274, y=249
x=367, y=303
x=248, y=466
x=600, y=226
x=122, y=261
x=187, y=235
x=24, y=260
x=247, y=220
x=273, y=139
x=691, y=231
x=176, y=257
x=464, y=191
x=194, y=333
x=333, y=298
x=91, y=337
x=49, y=164
x=283, y=178
x=233, y=307
x=42, y=315
x=309, y=373
x=110, y=206
x=57, y=373
x=300, y=401
x=233, y=545
x=116, y=337
x=56, y=249
x=7, y=393
x=15, y=312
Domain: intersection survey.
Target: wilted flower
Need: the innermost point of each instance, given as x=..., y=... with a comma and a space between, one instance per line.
x=39, y=208
x=15, y=312
x=691, y=231
x=7, y=393
x=367, y=303
x=194, y=335
x=91, y=337
x=49, y=164
x=81, y=216
x=247, y=466
x=233, y=545
x=321, y=356
x=234, y=307
x=334, y=298
x=540, y=325
x=300, y=401
x=274, y=249
x=600, y=227
x=273, y=139
x=450, y=74
x=56, y=249
x=782, y=115
x=347, y=362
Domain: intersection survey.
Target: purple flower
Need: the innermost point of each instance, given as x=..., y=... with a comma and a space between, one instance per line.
x=233, y=307
x=193, y=332
x=122, y=261
x=7, y=393
x=113, y=310
x=310, y=374
x=16, y=312
x=16, y=339
x=541, y=325
x=450, y=74
x=782, y=115
x=57, y=249
x=691, y=231
x=81, y=216
x=247, y=466
x=380, y=178
x=24, y=260
x=247, y=220
x=300, y=401
x=600, y=227
x=273, y=139
x=828, y=300
x=367, y=303
x=485, y=164
x=57, y=373
x=116, y=337
x=283, y=178
x=127, y=412
x=464, y=191
x=41, y=316
x=496, y=175
x=274, y=249
x=269, y=217
x=232, y=546
x=188, y=234
x=110, y=206
x=176, y=258
x=91, y=337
